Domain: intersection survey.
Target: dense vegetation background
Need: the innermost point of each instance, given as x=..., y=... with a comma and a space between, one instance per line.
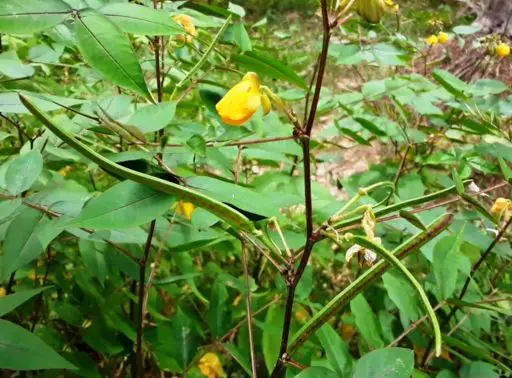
x=255, y=188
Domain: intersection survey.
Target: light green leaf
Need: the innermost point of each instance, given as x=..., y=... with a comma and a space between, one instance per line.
x=109, y=51
x=451, y=83
x=366, y=321
x=151, y=118
x=12, y=67
x=10, y=302
x=484, y=87
x=10, y=102
x=7, y=208
x=403, y=295
x=31, y=16
x=138, y=19
x=272, y=335
x=386, y=363
x=445, y=264
x=336, y=350
x=478, y=369
x=22, y=350
x=218, y=316
x=238, y=356
x=23, y=172
x=317, y=372
x=125, y=205
x=265, y=65
x=21, y=244
x=238, y=35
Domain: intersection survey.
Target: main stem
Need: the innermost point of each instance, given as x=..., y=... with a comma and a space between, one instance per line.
x=142, y=293
x=295, y=277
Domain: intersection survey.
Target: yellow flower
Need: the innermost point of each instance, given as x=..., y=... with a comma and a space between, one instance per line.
x=65, y=170
x=503, y=50
x=3, y=292
x=242, y=101
x=432, y=40
x=186, y=209
x=502, y=208
x=443, y=37
x=32, y=275
x=187, y=24
x=210, y=366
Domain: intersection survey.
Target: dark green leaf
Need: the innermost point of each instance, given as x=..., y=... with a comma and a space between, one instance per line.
x=108, y=50
x=265, y=65
x=317, y=372
x=138, y=19
x=22, y=350
x=31, y=16
x=125, y=205
x=23, y=172
x=10, y=302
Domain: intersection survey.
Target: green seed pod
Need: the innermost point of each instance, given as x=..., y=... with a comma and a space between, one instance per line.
x=371, y=10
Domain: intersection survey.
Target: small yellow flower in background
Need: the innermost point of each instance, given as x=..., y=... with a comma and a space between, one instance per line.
x=210, y=366
x=187, y=24
x=32, y=275
x=302, y=315
x=502, y=208
x=65, y=170
x=503, y=50
x=3, y=292
x=242, y=101
x=443, y=38
x=394, y=7
x=186, y=209
x=432, y=40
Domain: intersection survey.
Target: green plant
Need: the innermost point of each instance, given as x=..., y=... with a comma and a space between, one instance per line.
x=149, y=228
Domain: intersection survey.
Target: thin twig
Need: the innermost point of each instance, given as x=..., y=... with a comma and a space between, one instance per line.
x=248, y=303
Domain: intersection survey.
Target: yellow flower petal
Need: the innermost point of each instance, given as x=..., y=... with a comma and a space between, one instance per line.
x=187, y=24
x=186, y=209
x=503, y=50
x=3, y=292
x=267, y=104
x=443, y=37
x=432, y=40
x=371, y=10
x=241, y=102
x=210, y=366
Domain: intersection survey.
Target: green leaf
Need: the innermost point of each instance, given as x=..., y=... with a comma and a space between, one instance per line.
x=403, y=296
x=218, y=316
x=366, y=321
x=125, y=205
x=12, y=67
x=239, y=196
x=138, y=19
x=7, y=208
x=467, y=29
x=151, y=118
x=10, y=302
x=265, y=65
x=386, y=363
x=23, y=172
x=412, y=219
x=197, y=145
x=238, y=35
x=317, y=372
x=484, y=87
x=21, y=244
x=182, y=339
x=446, y=263
x=22, y=350
x=505, y=169
x=446, y=374
x=272, y=335
x=93, y=259
x=458, y=181
x=233, y=350
x=478, y=369
x=370, y=126
x=109, y=51
x=451, y=83
x=336, y=350
x=10, y=102
x=31, y=16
